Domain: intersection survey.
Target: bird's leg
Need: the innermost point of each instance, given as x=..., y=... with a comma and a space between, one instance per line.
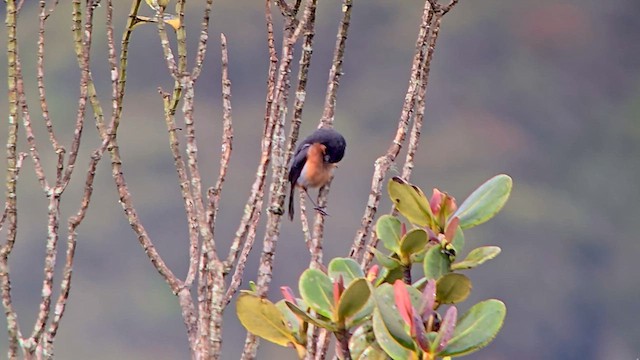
x=317, y=208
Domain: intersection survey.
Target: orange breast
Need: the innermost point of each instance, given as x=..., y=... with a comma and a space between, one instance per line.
x=315, y=172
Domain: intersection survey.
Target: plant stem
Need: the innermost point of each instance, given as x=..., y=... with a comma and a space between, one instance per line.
x=343, y=336
x=406, y=274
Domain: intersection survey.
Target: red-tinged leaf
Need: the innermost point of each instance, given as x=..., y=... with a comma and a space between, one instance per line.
x=428, y=298
x=403, y=302
x=403, y=230
x=288, y=294
x=447, y=326
x=373, y=272
x=450, y=205
x=436, y=201
x=420, y=334
x=452, y=227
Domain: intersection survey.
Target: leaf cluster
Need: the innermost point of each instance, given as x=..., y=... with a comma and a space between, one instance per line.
x=383, y=314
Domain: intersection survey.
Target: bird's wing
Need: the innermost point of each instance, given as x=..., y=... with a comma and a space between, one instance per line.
x=299, y=159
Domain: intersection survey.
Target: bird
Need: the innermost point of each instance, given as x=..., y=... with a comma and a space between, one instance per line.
x=313, y=162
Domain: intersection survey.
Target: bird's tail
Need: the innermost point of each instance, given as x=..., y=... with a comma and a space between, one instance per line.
x=291, y=210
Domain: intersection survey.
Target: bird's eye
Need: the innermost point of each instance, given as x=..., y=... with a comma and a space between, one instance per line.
x=326, y=158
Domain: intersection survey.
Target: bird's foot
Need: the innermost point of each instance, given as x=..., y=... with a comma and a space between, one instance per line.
x=320, y=210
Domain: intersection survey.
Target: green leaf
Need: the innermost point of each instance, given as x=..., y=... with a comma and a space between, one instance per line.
x=389, y=230
x=476, y=328
x=458, y=240
x=452, y=288
x=291, y=320
x=353, y=299
x=316, y=290
x=413, y=242
x=476, y=257
x=363, y=315
x=373, y=352
x=361, y=339
x=347, y=267
x=387, y=321
x=310, y=319
x=386, y=261
x=390, y=275
x=393, y=347
x=485, y=202
x=363, y=346
x=410, y=202
x=436, y=264
x=262, y=318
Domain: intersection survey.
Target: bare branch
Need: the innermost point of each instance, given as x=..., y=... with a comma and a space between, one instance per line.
x=274, y=129
x=227, y=133
x=217, y=307
x=367, y=257
x=202, y=43
x=26, y=121
x=278, y=184
x=236, y=279
x=13, y=166
x=420, y=99
x=211, y=294
x=383, y=163
x=82, y=102
x=336, y=66
x=124, y=194
x=305, y=223
x=185, y=189
x=303, y=74
x=72, y=225
x=59, y=149
x=257, y=190
x=166, y=49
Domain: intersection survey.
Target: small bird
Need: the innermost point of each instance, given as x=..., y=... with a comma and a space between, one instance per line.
x=314, y=161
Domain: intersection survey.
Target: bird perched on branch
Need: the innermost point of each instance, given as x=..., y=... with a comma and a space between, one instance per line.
x=314, y=161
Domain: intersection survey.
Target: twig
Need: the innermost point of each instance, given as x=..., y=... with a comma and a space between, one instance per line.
x=122, y=66
x=336, y=66
x=61, y=183
x=72, y=225
x=166, y=49
x=82, y=102
x=202, y=42
x=217, y=308
x=236, y=279
x=305, y=224
x=324, y=339
x=383, y=163
x=59, y=149
x=328, y=116
x=185, y=189
x=312, y=341
x=278, y=184
x=26, y=121
x=420, y=99
x=218, y=300
x=289, y=13
x=116, y=170
x=277, y=189
x=368, y=256
x=227, y=131
x=303, y=74
x=255, y=200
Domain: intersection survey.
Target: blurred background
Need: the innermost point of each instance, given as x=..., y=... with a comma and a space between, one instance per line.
x=546, y=91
